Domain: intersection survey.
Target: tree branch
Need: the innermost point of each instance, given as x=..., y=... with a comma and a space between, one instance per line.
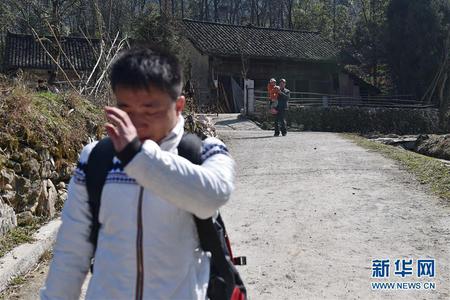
x=53, y=59
x=62, y=51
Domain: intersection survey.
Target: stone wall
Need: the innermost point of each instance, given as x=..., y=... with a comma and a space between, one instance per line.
x=32, y=185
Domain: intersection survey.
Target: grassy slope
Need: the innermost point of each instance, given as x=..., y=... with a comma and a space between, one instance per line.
x=59, y=122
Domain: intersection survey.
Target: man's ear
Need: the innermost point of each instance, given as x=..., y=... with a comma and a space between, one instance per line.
x=179, y=104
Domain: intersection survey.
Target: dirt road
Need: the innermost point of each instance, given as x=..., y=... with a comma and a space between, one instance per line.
x=312, y=210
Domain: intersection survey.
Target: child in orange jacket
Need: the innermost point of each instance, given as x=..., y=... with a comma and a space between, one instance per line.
x=272, y=91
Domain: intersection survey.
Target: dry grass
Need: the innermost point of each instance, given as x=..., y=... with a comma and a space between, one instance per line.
x=61, y=123
x=16, y=237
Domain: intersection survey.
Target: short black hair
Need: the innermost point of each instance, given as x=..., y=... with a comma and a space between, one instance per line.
x=141, y=68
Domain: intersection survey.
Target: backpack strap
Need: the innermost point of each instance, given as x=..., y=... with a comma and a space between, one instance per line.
x=99, y=163
x=210, y=233
x=190, y=147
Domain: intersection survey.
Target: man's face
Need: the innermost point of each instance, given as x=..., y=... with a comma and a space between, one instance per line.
x=152, y=111
x=282, y=84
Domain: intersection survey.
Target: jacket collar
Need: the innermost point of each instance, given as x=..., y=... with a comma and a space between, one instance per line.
x=171, y=141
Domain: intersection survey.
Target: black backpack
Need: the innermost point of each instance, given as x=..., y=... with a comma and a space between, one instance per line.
x=224, y=281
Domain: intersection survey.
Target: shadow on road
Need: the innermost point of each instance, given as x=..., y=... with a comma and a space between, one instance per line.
x=254, y=137
x=227, y=122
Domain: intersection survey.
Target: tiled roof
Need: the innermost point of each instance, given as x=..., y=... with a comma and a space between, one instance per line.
x=24, y=51
x=233, y=40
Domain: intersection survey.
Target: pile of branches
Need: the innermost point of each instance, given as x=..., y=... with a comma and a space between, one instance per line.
x=196, y=123
x=95, y=84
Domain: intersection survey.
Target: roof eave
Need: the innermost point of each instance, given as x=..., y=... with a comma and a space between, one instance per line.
x=194, y=44
x=297, y=59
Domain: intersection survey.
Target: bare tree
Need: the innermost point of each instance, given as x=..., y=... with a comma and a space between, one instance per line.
x=33, y=12
x=216, y=11
x=174, y=6
x=182, y=9
x=289, y=6
x=252, y=11
x=281, y=15
x=98, y=24
x=46, y=17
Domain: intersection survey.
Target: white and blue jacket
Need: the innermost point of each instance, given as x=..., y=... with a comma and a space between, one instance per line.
x=174, y=189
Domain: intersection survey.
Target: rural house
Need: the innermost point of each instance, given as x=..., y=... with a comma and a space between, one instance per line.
x=222, y=55
x=23, y=51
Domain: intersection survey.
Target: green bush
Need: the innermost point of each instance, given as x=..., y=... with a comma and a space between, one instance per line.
x=362, y=120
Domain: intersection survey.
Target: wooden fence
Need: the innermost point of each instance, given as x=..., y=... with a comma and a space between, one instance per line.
x=299, y=99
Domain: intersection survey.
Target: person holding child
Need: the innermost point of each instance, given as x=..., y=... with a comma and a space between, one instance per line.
x=272, y=91
x=282, y=103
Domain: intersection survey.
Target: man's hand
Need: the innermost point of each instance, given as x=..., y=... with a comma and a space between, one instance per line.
x=120, y=129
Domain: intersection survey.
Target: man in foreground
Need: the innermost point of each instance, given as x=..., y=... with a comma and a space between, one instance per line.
x=147, y=246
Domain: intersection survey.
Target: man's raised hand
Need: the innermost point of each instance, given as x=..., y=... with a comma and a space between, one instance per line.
x=120, y=128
